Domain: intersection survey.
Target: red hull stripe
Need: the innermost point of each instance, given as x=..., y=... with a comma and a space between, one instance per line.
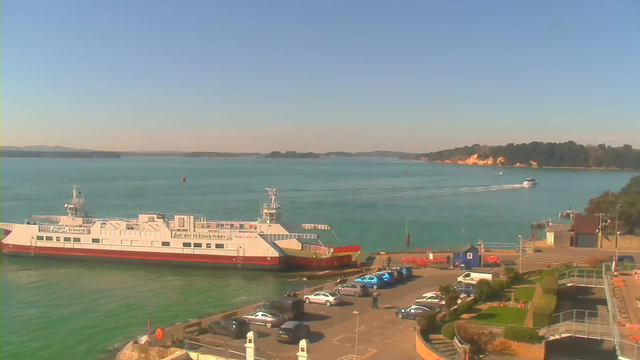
x=138, y=255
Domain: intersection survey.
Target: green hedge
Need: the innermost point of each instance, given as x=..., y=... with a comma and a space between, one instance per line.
x=542, y=309
x=449, y=330
x=521, y=334
x=465, y=307
x=549, y=284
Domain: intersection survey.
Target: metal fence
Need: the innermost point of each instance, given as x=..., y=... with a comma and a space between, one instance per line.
x=624, y=349
x=582, y=277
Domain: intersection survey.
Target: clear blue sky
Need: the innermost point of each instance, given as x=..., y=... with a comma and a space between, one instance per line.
x=318, y=76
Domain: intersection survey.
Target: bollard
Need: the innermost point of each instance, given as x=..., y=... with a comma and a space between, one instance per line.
x=303, y=350
x=251, y=345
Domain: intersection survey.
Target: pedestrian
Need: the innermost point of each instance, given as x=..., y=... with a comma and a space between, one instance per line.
x=374, y=305
x=388, y=262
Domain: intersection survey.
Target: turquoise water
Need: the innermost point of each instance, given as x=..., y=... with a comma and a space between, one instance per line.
x=76, y=310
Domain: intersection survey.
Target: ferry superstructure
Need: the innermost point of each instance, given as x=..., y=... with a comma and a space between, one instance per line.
x=181, y=240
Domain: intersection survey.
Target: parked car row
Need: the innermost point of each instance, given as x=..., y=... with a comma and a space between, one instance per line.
x=386, y=278
x=286, y=312
x=433, y=301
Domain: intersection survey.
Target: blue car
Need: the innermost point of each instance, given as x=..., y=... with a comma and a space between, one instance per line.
x=372, y=281
x=407, y=271
x=388, y=276
x=466, y=290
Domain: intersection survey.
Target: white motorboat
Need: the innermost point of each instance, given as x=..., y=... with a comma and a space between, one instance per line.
x=529, y=182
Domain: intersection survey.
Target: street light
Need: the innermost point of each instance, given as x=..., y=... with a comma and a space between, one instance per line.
x=520, y=238
x=357, y=326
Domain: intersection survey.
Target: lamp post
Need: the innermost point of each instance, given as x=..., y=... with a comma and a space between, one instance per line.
x=616, y=231
x=357, y=326
x=520, y=241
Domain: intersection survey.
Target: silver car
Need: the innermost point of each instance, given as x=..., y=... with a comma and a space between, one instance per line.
x=352, y=289
x=266, y=318
x=323, y=297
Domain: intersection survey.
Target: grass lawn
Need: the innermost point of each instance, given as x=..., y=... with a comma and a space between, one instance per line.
x=502, y=315
x=525, y=293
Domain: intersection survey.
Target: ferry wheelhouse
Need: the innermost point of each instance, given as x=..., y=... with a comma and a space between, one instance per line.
x=182, y=239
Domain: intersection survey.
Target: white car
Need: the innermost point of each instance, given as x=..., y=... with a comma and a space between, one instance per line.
x=429, y=298
x=323, y=297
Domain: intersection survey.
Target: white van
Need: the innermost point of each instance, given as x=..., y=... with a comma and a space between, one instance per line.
x=472, y=277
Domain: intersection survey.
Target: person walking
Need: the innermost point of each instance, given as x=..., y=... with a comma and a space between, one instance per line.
x=374, y=305
x=389, y=262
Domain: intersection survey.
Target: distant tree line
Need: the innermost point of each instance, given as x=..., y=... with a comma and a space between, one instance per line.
x=60, y=154
x=292, y=155
x=567, y=154
x=218, y=154
x=626, y=204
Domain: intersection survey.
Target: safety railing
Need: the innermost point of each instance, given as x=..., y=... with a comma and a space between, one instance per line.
x=624, y=349
x=580, y=323
x=462, y=347
x=582, y=277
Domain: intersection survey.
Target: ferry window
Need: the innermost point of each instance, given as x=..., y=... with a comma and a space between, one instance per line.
x=105, y=241
x=135, y=242
x=180, y=222
x=208, y=246
x=76, y=239
x=155, y=243
x=49, y=238
x=150, y=219
x=67, y=239
x=197, y=245
x=95, y=241
x=57, y=238
x=186, y=244
x=39, y=237
x=125, y=242
x=166, y=243
x=219, y=246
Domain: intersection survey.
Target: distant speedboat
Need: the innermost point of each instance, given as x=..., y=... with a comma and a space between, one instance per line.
x=500, y=173
x=529, y=182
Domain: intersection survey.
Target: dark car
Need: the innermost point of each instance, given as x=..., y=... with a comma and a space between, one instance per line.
x=413, y=311
x=400, y=278
x=232, y=327
x=293, y=332
x=466, y=290
x=291, y=307
x=406, y=270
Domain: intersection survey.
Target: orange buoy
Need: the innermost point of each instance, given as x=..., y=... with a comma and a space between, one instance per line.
x=184, y=178
x=159, y=333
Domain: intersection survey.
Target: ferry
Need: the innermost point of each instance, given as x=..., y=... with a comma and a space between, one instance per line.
x=183, y=239
x=529, y=182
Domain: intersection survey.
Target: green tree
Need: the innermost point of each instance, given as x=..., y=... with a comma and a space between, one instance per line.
x=484, y=291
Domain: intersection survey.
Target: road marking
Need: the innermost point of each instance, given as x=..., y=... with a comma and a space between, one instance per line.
x=335, y=341
x=370, y=353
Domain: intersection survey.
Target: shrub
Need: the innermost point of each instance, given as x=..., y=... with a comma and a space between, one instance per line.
x=454, y=315
x=549, y=284
x=483, y=290
x=542, y=308
x=465, y=307
x=449, y=330
x=428, y=322
x=497, y=287
x=522, y=334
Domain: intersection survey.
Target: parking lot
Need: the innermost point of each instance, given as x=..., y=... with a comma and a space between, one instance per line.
x=333, y=329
